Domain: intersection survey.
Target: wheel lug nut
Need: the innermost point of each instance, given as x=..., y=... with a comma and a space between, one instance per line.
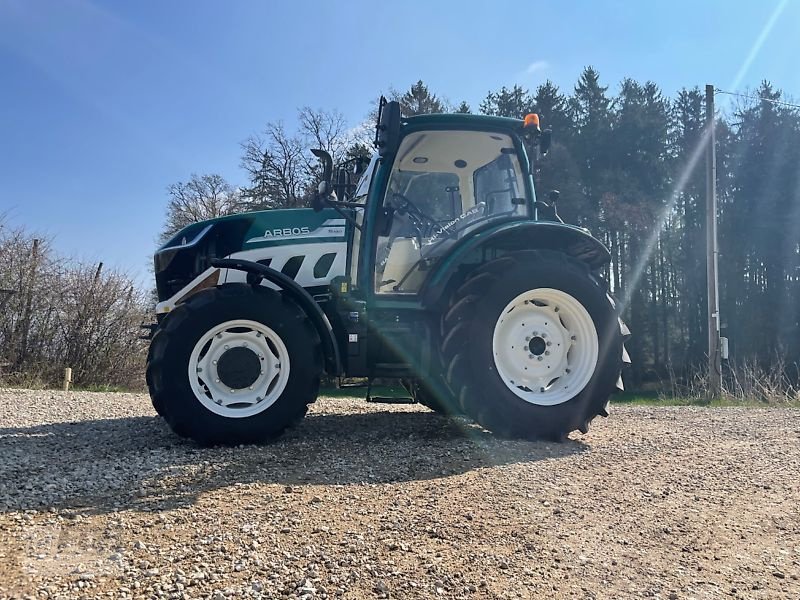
x=217, y=380
x=549, y=343
x=556, y=309
x=539, y=358
x=213, y=362
x=567, y=370
x=547, y=352
x=225, y=346
x=541, y=389
x=527, y=338
x=573, y=337
x=251, y=387
x=530, y=356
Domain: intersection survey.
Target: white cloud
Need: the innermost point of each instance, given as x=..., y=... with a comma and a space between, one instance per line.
x=536, y=66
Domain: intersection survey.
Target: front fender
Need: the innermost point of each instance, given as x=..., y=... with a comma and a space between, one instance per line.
x=509, y=237
x=256, y=271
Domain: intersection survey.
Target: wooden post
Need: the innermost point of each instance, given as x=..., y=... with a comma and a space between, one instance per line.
x=67, y=378
x=712, y=252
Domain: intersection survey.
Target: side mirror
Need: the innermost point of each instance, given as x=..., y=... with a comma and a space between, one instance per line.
x=387, y=132
x=323, y=191
x=545, y=139
x=325, y=188
x=342, y=185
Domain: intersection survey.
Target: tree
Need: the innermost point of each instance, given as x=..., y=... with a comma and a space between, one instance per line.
x=515, y=102
x=590, y=110
x=688, y=128
x=202, y=197
x=280, y=167
x=420, y=101
x=276, y=168
x=463, y=108
x=763, y=225
x=551, y=105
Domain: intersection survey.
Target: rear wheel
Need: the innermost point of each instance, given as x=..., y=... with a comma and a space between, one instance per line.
x=533, y=345
x=232, y=365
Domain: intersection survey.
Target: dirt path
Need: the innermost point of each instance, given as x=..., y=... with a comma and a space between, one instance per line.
x=98, y=499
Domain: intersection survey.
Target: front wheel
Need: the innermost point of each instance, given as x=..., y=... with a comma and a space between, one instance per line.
x=233, y=365
x=533, y=345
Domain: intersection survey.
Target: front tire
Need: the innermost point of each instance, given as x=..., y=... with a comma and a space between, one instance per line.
x=235, y=364
x=533, y=345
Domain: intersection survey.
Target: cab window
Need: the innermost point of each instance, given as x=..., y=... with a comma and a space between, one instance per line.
x=442, y=185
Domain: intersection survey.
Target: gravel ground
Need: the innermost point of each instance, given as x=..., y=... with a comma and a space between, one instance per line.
x=98, y=499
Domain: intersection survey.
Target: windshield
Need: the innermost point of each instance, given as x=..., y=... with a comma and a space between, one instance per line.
x=443, y=184
x=362, y=189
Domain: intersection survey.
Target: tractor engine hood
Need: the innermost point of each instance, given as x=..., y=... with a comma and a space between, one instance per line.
x=308, y=246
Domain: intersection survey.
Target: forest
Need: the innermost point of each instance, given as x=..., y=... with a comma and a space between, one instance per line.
x=629, y=163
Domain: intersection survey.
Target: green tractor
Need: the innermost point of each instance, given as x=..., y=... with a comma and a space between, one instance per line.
x=440, y=268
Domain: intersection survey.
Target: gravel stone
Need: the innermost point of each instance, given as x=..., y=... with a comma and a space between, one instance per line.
x=99, y=499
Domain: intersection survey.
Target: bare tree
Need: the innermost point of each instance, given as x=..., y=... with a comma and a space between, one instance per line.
x=276, y=168
x=324, y=129
x=279, y=165
x=202, y=197
x=66, y=314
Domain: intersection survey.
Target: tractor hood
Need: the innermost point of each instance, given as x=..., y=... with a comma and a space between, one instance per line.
x=308, y=246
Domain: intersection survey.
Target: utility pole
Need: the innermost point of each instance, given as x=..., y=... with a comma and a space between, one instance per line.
x=712, y=252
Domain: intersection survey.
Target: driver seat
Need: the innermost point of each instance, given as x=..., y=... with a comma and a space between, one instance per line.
x=403, y=255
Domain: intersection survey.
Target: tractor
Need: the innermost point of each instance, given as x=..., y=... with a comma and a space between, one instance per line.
x=434, y=265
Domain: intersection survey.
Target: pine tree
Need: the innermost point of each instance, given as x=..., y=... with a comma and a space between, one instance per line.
x=552, y=107
x=420, y=101
x=515, y=102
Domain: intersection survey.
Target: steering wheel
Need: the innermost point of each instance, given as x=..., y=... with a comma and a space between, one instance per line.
x=423, y=223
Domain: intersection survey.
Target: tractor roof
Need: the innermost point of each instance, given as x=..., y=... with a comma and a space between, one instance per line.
x=462, y=119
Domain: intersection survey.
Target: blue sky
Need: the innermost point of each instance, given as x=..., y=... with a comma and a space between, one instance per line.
x=103, y=104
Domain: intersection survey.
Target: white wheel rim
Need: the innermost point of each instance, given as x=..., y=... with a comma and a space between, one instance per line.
x=254, y=398
x=545, y=346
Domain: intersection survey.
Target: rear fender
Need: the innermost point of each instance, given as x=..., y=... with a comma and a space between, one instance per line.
x=510, y=237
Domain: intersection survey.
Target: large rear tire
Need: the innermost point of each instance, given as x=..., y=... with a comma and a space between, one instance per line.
x=533, y=345
x=235, y=364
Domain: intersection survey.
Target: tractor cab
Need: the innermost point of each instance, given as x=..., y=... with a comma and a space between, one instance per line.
x=435, y=180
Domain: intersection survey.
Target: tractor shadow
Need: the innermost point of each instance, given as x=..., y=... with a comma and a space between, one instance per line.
x=137, y=463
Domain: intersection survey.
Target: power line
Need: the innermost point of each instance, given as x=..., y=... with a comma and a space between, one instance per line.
x=750, y=97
